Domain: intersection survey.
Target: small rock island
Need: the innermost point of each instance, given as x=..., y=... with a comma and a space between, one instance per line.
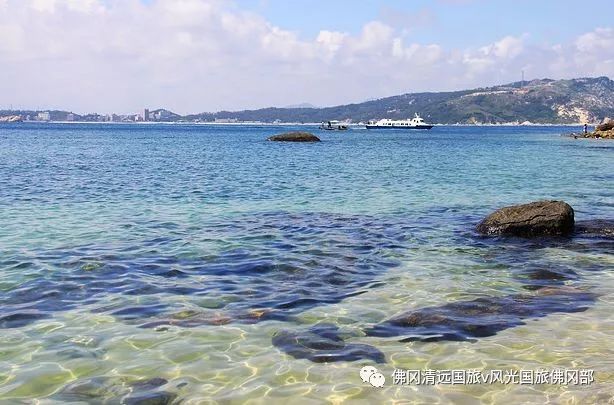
x=296, y=136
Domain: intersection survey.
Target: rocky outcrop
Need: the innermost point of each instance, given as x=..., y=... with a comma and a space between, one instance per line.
x=605, y=126
x=541, y=218
x=604, y=130
x=601, y=134
x=294, y=137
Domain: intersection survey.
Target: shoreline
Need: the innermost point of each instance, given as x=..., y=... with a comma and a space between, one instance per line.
x=282, y=124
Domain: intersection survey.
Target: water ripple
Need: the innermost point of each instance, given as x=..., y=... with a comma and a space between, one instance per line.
x=294, y=262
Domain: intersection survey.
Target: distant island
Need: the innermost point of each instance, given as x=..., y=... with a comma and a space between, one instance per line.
x=541, y=101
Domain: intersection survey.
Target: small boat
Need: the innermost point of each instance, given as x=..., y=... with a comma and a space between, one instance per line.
x=333, y=126
x=415, y=123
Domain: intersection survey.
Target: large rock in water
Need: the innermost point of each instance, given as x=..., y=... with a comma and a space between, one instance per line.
x=294, y=137
x=541, y=218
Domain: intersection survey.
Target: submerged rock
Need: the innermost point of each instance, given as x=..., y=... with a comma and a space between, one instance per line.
x=150, y=398
x=114, y=390
x=598, y=228
x=322, y=344
x=540, y=218
x=297, y=136
x=482, y=317
x=18, y=319
x=93, y=390
x=150, y=383
x=281, y=275
x=536, y=279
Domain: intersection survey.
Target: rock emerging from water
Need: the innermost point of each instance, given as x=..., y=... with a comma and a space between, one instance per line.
x=297, y=136
x=540, y=218
x=609, y=134
x=604, y=130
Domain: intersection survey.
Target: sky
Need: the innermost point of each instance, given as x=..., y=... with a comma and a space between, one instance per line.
x=193, y=56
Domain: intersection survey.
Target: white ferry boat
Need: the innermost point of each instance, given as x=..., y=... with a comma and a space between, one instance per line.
x=415, y=123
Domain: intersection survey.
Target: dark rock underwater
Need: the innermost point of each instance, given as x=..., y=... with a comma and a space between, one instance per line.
x=293, y=271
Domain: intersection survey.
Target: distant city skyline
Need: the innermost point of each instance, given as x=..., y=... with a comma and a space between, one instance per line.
x=192, y=56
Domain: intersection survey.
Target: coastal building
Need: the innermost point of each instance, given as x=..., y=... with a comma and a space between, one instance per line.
x=146, y=114
x=70, y=117
x=43, y=116
x=226, y=120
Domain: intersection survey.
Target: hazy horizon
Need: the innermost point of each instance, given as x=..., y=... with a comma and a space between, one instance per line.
x=298, y=105
x=193, y=56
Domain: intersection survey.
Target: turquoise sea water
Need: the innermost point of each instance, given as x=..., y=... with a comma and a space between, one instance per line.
x=203, y=264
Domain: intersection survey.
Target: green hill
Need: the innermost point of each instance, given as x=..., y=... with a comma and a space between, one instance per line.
x=537, y=101
x=543, y=101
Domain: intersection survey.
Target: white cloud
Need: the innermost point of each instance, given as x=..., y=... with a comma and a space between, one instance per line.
x=600, y=40
x=508, y=47
x=200, y=55
x=43, y=5
x=331, y=41
x=12, y=38
x=51, y=6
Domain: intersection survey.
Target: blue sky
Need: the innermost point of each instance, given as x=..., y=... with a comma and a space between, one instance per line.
x=208, y=55
x=452, y=23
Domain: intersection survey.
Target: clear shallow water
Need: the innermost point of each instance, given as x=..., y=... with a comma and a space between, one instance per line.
x=167, y=260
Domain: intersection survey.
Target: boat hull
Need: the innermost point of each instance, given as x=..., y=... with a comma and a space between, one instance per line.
x=334, y=128
x=399, y=127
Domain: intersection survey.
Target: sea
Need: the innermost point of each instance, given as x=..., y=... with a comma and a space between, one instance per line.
x=203, y=264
